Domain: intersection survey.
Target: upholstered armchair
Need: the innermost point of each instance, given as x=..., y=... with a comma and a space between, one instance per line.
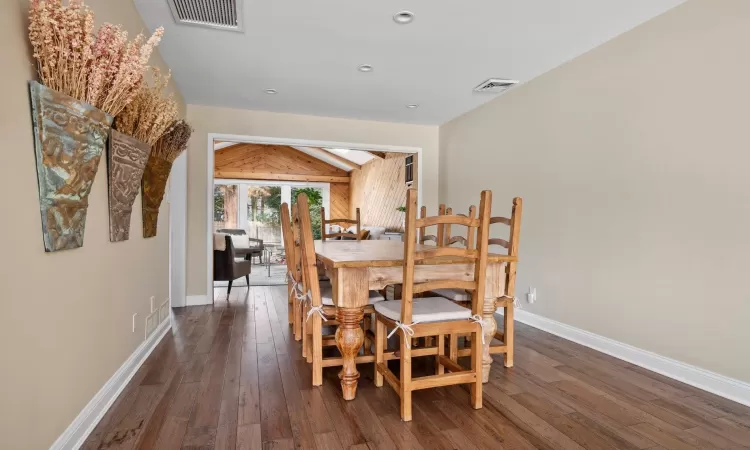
x=254, y=246
x=226, y=266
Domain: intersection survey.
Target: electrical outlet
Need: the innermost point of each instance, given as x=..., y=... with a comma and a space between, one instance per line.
x=152, y=320
x=531, y=295
x=134, y=316
x=153, y=303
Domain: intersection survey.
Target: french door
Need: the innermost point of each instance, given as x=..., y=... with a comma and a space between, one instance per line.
x=255, y=206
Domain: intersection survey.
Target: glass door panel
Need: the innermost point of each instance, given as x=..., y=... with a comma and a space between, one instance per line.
x=263, y=213
x=226, y=206
x=315, y=200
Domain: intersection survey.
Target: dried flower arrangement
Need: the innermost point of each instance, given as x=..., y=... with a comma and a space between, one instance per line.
x=150, y=113
x=155, y=176
x=173, y=142
x=102, y=69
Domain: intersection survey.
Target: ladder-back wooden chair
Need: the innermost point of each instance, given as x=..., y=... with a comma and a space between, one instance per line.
x=434, y=316
x=341, y=234
x=507, y=301
x=319, y=307
x=290, y=231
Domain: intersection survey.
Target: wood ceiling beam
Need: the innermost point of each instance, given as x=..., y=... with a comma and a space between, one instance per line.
x=241, y=175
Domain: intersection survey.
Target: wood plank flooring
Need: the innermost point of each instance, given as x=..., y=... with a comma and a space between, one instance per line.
x=230, y=376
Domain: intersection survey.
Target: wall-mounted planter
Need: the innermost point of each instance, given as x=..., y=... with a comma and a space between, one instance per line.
x=69, y=137
x=154, y=184
x=126, y=160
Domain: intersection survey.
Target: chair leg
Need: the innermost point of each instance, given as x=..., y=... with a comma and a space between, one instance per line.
x=247, y=280
x=406, y=378
x=439, y=369
x=290, y=307
x=229, y=289
x=298, y=321
x=303, y=332
x=509, y=326
x=380, y=342
x=453, y=348
x=367, y=325
x=476, y=367
x=317, y=350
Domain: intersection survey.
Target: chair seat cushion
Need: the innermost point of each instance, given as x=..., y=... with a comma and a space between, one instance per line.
x=457, y=295
x=326, y=295
x=425, y=310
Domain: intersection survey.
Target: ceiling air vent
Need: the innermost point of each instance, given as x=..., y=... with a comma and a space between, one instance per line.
x=220, y=14
x=495, y=85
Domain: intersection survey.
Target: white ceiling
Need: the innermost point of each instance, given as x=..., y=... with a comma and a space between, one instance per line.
x=309, y=51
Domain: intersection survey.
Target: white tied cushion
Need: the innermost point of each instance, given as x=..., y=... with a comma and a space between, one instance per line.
x=326, y=295
x=457, y=295
x=240, y=241
x=425, y=310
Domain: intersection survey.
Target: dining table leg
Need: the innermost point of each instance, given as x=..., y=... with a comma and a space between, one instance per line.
x=349, y=339
x=489, y=329
x=350, y=295
x=494, y=288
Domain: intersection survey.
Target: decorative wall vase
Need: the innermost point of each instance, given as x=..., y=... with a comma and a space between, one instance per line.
x=126, y=160
x=154, y=184
x=69, y=137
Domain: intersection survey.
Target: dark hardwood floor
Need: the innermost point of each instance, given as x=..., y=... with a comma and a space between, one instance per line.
x=231, y=376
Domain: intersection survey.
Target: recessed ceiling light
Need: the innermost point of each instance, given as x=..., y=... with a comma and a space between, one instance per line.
x=412, y=106
x=271, y=91
x=365, y=68
x=403, y=17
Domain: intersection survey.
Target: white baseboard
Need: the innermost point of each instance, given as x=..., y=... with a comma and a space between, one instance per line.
x=75, y=435
x=730, y=388
x=195, y=300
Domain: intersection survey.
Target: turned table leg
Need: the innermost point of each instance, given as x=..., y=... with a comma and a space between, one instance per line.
x=494, y=288
x=490, y=327
x=349, y=339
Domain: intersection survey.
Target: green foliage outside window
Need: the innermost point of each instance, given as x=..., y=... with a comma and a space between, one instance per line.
x=315, y=200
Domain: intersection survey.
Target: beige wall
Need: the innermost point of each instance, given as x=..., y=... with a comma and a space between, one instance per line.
x=66, y=324
x=633, y=163
x=257, y=123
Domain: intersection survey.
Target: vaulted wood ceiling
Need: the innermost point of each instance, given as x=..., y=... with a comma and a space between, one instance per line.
x=274, y=162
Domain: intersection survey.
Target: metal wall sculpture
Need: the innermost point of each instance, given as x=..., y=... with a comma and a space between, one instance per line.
x=69, y=137
x=154, y=184
x=126, y=160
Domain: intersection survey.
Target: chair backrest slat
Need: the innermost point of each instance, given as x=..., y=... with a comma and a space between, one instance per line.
x=420, y=254
x=323, y=222
x=466, y=242
x=307, y=249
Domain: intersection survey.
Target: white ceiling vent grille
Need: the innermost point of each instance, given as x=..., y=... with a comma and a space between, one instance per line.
x=495, y=85
x=220, y=14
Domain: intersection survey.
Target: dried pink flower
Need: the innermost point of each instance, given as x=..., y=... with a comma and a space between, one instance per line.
x=101, y=68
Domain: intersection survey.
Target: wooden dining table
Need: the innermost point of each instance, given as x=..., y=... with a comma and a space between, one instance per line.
x=356, y=267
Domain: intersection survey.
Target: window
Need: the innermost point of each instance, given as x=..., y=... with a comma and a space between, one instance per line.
x=409, y=176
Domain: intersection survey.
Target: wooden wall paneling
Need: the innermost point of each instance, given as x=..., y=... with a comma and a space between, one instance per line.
x=378, y=189
x=339, y=200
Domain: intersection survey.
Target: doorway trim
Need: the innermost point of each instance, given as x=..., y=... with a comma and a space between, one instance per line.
x=291, y=142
